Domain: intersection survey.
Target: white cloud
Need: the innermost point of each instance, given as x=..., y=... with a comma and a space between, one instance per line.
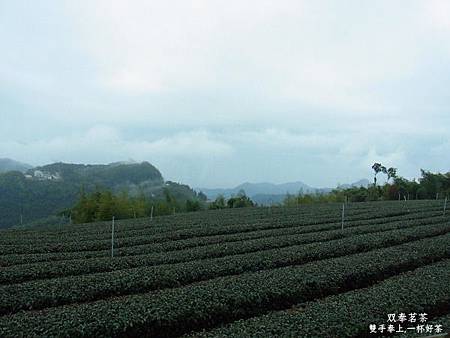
x=283, y=49
x=133, y=81
x=202, y=158
x=439, y=12
x=102, y=144
x=275, y=138
x=193, y=145
x=235, y=90
x=323, y=55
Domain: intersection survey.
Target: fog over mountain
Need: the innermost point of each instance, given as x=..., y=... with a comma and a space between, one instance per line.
x=46, y=191
x=7, y=164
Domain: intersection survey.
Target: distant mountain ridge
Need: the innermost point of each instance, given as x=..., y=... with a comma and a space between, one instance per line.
x=361, y=183
x=252, y=189
x=268, y=193
x=7, y=164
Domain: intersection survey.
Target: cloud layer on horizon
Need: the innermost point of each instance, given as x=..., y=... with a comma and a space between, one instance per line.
x=219, y=93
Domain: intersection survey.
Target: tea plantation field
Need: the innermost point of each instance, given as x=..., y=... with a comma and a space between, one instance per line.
x=254, y=272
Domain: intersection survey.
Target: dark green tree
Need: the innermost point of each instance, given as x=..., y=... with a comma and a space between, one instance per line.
x=240, y=201
x=391, y=173
x=192, y=205
x=107, y=207
x=219, y=203
x=377, y=168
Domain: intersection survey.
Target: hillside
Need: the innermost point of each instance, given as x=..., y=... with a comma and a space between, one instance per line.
x=46, y=190
x=250, y=272
x=108, y=175
x=7, y=164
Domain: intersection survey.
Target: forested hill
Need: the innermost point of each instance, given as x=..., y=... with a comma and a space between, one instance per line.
x=110, y=175
x=46, y=190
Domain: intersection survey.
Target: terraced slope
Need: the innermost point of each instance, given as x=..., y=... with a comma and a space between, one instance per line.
x=251, y=272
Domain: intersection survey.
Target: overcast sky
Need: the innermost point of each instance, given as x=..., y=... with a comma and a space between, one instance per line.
x=216, y=93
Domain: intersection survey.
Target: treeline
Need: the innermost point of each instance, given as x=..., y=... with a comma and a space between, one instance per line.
x=241, y=200
x=429, y=186
x=28, y=201
x=102, y=205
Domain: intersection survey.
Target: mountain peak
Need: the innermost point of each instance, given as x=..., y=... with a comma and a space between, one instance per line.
x=266, y=188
